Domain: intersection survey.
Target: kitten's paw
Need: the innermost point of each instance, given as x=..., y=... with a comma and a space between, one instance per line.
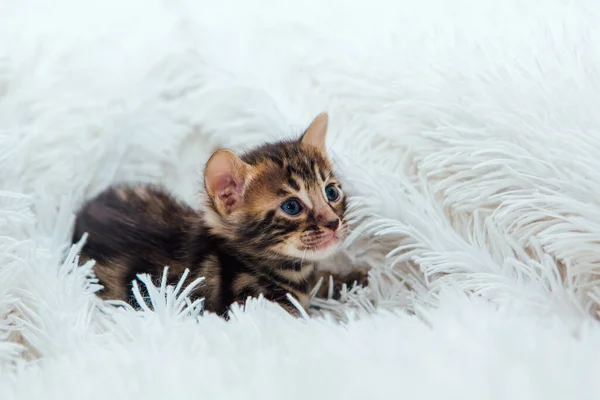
x=358, y=277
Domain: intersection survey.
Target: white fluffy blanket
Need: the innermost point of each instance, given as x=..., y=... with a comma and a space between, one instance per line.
x=468, y=132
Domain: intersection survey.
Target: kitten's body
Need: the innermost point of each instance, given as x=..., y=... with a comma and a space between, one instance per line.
x=270, y=215
x=141, y=229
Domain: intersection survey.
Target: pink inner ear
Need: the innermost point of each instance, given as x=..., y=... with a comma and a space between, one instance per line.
x=228, y=190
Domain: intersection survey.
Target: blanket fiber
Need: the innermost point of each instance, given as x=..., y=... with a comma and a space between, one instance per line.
x=467, y=132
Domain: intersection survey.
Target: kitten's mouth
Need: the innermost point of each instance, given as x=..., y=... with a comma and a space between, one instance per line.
x=321, y=242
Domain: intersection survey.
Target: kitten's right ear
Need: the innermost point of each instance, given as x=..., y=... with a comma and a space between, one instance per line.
x=317, y=131
x=225, y=179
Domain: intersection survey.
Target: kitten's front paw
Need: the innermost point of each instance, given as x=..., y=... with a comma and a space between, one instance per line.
x=358, y=277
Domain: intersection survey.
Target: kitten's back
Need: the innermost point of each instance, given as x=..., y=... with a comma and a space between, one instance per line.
x=133, y=230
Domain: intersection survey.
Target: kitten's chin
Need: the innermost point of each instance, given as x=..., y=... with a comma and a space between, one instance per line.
x=323, y=253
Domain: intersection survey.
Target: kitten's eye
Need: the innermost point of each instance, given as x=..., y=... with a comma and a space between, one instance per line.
x=332, y=193
x=291, y=207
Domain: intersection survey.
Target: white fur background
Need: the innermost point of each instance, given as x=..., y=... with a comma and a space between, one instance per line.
x=468, y=132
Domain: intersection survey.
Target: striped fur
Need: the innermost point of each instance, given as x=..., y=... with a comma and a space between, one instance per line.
x=243, y=243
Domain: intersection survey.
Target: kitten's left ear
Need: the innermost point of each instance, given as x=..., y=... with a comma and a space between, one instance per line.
x=225, y=178
x=317, y=131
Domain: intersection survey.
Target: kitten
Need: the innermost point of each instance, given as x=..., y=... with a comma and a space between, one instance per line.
x=269, y=216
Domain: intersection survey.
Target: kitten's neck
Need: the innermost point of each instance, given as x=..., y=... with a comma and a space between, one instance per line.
x=255, y=258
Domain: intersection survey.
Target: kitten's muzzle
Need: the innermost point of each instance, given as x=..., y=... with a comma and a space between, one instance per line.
x=321, y=240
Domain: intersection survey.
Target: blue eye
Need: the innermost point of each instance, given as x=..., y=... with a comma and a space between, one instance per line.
x=291, y=207
x=332, y=193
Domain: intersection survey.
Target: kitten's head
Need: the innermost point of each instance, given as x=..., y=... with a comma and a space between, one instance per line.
x=281, y=200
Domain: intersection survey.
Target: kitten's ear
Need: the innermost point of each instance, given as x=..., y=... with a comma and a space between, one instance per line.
x=225, y=178
x=317, y=131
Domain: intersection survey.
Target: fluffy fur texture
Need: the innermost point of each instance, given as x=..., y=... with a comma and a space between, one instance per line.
x=467, y=132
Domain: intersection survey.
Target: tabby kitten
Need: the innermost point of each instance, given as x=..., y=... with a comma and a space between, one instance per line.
x=269, y=216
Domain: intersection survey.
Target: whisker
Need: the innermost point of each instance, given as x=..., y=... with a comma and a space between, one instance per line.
x=355, y=231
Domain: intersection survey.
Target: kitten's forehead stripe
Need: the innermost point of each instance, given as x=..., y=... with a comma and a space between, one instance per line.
x=323, y=177
x=313, y=164
x=291, y=156
x=293, y=183
x=298, y=171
